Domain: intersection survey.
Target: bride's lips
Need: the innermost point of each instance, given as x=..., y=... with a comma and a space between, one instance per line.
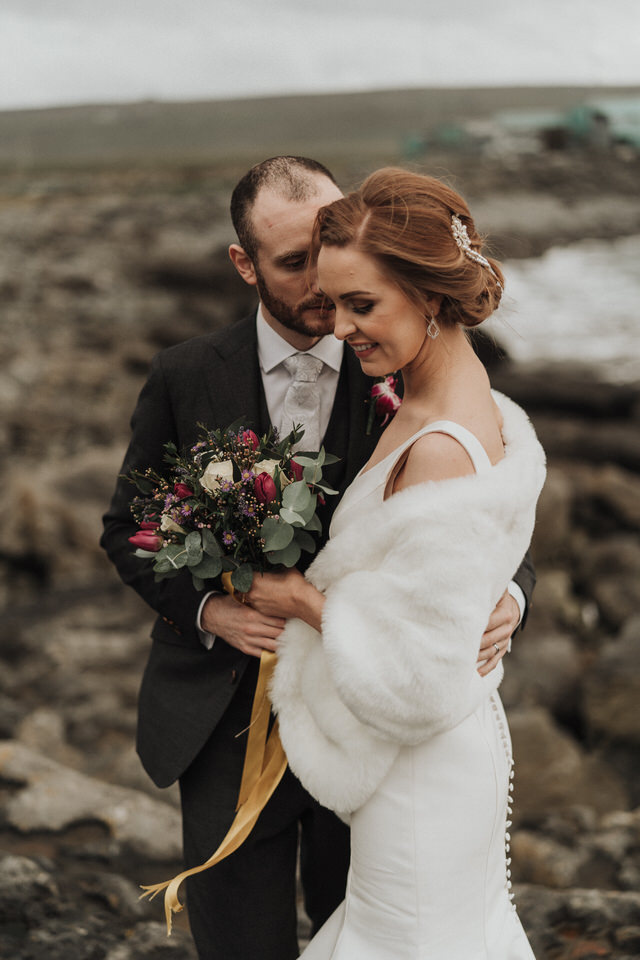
x=363, y=350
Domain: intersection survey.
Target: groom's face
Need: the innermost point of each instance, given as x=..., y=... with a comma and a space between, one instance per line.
x=283, y=231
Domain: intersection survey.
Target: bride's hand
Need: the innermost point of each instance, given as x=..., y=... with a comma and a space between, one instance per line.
x=286, y=594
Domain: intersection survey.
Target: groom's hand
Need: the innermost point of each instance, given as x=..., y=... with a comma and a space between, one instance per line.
x=495, y=640
x=240, y=625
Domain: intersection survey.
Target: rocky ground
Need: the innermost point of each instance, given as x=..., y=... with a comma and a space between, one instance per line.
x=98, y=272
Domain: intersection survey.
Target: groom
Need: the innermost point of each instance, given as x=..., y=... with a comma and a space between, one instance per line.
x=198, y=686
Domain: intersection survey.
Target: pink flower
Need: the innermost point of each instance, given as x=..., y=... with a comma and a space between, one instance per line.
x=385, y=398
x=249, y=437
x=296, y=470
x=149, y=525
x=182, y=491
x=264, y=488
x=147, y=539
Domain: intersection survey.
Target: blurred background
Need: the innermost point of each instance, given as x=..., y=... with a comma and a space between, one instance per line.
x=123, y=129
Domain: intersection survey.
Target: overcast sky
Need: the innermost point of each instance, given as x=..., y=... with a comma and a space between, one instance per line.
x=79, y=51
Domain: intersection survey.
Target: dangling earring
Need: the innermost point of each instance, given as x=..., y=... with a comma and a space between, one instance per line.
x=433, y=329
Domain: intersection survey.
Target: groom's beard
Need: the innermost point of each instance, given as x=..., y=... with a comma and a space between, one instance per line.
x=314, y=316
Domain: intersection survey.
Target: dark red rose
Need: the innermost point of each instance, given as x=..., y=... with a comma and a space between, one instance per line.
x=182, y=491
x=264, y=488
x=296, y=470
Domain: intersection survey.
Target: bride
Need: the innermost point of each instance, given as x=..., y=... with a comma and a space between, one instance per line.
x=382, y=712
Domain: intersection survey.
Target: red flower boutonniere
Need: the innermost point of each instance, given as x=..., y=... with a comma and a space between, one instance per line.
x=383, y=401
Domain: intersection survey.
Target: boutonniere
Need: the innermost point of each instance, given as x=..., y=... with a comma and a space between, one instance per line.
x=383, y=401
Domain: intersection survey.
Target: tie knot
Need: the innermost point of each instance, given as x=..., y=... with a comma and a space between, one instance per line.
x=303, y=367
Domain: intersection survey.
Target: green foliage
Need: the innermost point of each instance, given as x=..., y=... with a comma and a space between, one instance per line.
x=276, y=534
x=242, y=578
x=230, y=528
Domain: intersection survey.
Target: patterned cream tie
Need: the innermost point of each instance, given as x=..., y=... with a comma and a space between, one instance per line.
x=302, y=399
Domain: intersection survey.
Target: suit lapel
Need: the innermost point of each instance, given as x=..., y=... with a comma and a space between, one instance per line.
x=235, y=385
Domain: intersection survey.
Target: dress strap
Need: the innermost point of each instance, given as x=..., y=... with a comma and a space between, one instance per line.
x=470, y=443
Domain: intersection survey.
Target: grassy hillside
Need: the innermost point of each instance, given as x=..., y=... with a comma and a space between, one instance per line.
x=331, y=127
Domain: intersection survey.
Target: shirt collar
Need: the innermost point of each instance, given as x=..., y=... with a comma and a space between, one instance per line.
x=273, y=349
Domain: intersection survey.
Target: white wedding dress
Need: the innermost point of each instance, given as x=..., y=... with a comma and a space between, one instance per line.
x=429, y=876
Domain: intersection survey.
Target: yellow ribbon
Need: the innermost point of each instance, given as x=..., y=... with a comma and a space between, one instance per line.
x=226, y=582
x=264, y=766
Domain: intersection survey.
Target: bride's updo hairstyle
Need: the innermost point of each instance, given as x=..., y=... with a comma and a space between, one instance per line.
x=407, y=222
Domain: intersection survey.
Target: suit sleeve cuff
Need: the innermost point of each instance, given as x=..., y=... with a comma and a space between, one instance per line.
x=516, y=592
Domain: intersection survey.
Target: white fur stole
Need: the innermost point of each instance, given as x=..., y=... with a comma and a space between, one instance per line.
x=408, y=596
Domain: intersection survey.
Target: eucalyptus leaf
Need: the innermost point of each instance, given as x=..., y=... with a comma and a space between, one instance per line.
x=325, y=489
x=290, y=516
x=305, y=460
x=242, y=578
x=166, y=576
x=296, y=496
x=209, y=544
x=311, y=474
x=208, y=568
x=287, y=557
x=305, y=541
x=197, y=582
x=228, y=564
x=309, y=510
x=314, y=525
x=145, y=553
x=276, y=533
x=176, y=554
x=193, y=544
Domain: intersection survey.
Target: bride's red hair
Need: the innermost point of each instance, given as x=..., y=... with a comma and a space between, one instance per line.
x=403, y=219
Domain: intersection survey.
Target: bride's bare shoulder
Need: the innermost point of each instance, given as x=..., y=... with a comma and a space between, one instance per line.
x=436, y=456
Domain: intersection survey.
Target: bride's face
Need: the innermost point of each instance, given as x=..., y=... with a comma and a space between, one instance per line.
x=386, y=331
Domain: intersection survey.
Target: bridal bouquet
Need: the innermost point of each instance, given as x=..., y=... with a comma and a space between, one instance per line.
x=233, y=504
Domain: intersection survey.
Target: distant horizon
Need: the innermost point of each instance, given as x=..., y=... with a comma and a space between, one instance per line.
x=139, y=101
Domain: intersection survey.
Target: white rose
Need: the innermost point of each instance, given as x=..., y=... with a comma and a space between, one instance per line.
x=215, y=473
x=266, y=466
x=168, y=524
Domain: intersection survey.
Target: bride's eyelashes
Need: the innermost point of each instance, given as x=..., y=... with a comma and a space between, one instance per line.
x=362, y=309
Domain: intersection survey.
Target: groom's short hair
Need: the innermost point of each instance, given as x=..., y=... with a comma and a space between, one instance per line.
x=292, y=177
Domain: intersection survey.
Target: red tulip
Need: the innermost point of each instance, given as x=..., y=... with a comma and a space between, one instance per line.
x=181, y=490
x=249, y=437
x=296, y=470
x=264, y=488
x=147, y=540
x=149, y=525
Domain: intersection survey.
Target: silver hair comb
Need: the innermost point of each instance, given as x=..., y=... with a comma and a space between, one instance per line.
x=461, y=237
